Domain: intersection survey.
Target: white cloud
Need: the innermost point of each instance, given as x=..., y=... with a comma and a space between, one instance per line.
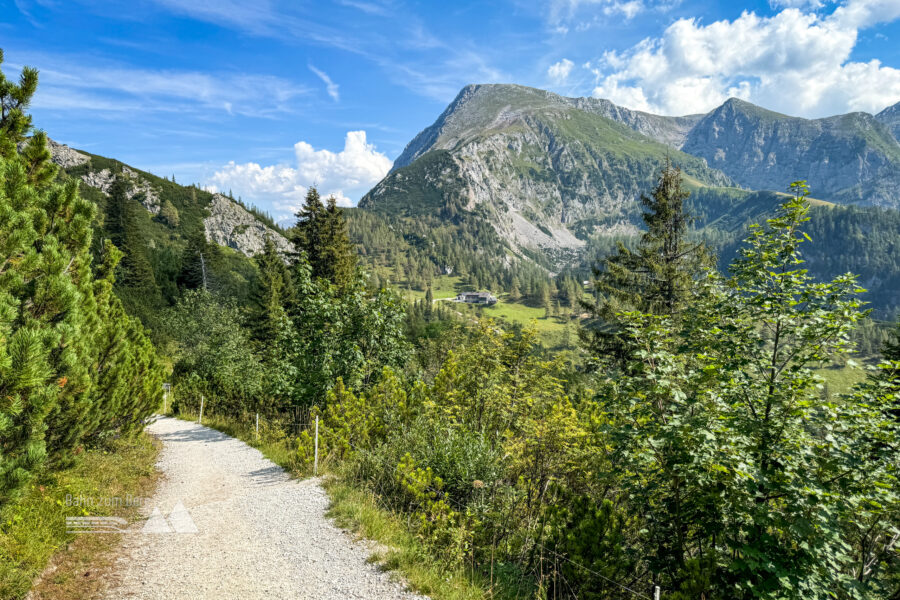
x=346, y=175
x=794, y=61
x=330, y=86
x=585, y=14
x=802, y=4
x=73, y=83
x=559, y=72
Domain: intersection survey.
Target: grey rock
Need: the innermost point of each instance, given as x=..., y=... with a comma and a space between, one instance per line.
x=62, y=155
x=890, y=118
x=139, y=188
x=850, y=158
x=66, y=157
x=230, y=224
x=548, y=171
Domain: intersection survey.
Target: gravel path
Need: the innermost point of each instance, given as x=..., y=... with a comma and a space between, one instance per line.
x=258, y=534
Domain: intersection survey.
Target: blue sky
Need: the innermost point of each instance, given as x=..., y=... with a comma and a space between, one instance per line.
x=267, y=98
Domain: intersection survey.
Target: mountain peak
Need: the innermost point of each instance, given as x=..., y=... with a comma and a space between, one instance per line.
x=890, y=118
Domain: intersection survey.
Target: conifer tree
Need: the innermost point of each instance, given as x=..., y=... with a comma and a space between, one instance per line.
x=338, y=255
x=38, y=164
x=273, y=291
x=15, y=123
x=321, y=236
x=306, y=234
x=198, y=262
x=136, y=273
x=658, y=275
x=73, y=366
x=892, y=348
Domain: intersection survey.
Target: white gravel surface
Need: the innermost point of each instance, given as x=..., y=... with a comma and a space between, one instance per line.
x=259, y=533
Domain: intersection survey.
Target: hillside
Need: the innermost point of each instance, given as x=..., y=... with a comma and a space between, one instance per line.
x=514, y=181
x=546, y=171
x=849, y=159
x=890, y=118
x=165, y=228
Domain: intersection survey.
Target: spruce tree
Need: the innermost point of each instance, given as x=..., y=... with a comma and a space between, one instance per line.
x=891, y=349
x=198, y=262
x=272, y=293
x=135, y=271
x=338, y=254
x=658, y=275
x=306, y=234
x=321, y=236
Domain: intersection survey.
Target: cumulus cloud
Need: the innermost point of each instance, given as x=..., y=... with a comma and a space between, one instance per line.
x=346, y=175
x=793, y=61
x=330, y=86
x=559, y=72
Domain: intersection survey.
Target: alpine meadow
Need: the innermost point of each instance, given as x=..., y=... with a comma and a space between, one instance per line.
x=634, y=337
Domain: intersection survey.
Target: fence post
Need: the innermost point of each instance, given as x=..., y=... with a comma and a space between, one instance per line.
x=257, y=426
x=316, y=457
x=201, y=410
x=656, y=592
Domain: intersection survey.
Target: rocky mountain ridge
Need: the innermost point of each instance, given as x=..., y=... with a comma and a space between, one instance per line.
x=227, y=224
x=848, y=159
x=549, y=172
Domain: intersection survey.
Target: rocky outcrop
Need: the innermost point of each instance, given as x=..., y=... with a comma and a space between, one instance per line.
x=230, y=224
x=66, y=157
x=138, y=188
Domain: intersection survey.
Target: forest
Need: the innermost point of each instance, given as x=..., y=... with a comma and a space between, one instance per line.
x=693, y=447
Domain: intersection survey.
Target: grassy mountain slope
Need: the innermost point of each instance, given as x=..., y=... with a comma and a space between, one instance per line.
x=545, y=171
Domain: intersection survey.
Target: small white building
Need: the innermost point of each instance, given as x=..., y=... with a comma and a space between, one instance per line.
x=476, y=298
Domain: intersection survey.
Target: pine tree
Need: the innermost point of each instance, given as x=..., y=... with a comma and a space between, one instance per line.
x=38, y=164
x=14, y=100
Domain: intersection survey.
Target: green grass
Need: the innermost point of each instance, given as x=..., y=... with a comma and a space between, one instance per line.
x=400, y=550
x=550, y=330
x=840, y=379
x=33, y=530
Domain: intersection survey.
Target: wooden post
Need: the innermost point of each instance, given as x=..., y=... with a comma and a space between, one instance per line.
x=257, y=426
x=656, y=592
x=316, y=457
x=201, y=410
